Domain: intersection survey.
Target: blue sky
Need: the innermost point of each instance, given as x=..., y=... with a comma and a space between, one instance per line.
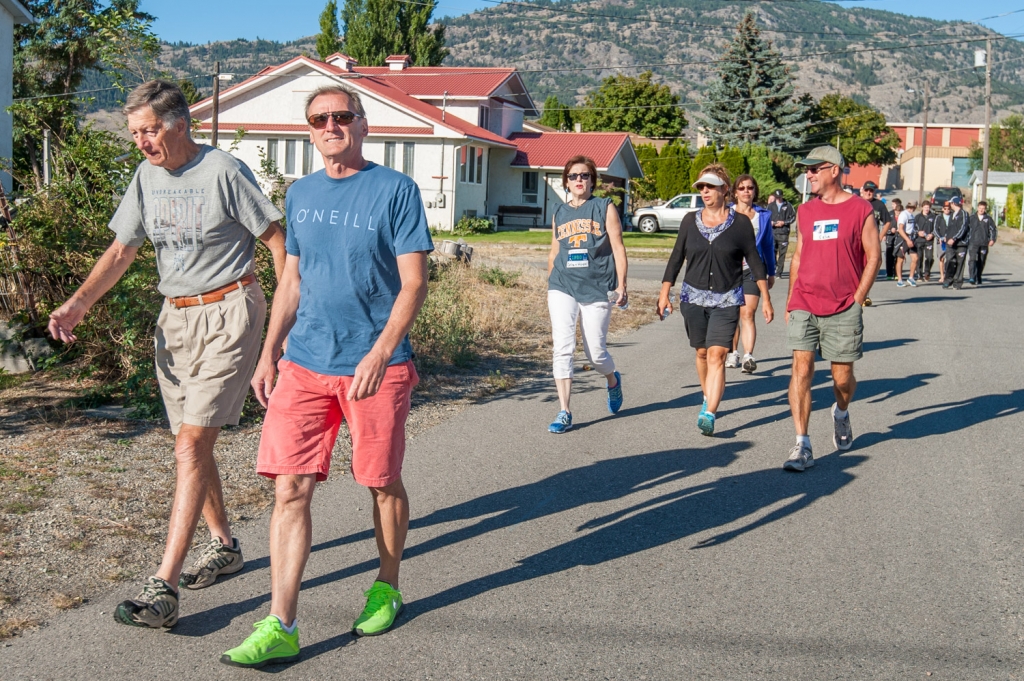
x=200, y=21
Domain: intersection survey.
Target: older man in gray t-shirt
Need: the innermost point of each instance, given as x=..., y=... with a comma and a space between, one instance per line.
x=203, y=211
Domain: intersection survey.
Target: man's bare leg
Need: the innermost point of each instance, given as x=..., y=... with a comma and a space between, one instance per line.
x=390, y=525
x=197, y=488
x=843, y=384
x=291, y=535
x=800, y=389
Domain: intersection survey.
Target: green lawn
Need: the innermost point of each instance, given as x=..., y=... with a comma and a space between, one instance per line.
x=631, y=239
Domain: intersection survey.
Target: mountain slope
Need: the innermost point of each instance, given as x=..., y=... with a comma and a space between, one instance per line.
x=859, y=52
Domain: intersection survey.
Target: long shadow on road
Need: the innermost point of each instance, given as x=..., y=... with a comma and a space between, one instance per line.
x=663, y=519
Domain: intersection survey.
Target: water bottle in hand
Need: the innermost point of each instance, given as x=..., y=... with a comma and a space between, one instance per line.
x=613, y=297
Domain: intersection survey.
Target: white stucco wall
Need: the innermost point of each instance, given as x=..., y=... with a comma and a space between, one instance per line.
x=6, y=92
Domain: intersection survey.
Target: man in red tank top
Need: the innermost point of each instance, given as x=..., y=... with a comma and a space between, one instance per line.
x=830, y=275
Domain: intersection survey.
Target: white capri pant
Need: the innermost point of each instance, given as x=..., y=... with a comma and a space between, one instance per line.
x=564, y=311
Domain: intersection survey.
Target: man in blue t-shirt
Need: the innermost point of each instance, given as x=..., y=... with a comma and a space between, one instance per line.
x=354, y=280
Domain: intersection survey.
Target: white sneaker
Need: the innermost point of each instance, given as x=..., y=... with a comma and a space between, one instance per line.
x=749, y=364
x=800, y=459
x=842, y=436
x=732, y=360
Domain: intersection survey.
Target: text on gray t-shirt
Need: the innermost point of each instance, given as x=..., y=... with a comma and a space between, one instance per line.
x=202, y=218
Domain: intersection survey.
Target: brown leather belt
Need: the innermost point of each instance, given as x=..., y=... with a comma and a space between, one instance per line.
x=214, y=296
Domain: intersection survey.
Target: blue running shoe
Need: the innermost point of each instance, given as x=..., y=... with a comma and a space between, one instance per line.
x=706, y=423
x=615, y=395
x=900, y=284
x=562, y=423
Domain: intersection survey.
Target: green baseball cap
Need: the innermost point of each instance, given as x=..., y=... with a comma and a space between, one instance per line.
x=825, y=154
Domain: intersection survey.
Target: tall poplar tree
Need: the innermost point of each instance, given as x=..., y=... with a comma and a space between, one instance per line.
x=752, y=99
x=557, y=115
x=329, y=39
x=376, y=29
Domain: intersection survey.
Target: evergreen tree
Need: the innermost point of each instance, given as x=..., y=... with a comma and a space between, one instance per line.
x=646, y=188
x=759, y=164
x=637, y=105
x=752, y=100
x=732, y=159
x=329, y=39
x=557, y=115
x=706, y=155
x=376, y=29
x=673, y=170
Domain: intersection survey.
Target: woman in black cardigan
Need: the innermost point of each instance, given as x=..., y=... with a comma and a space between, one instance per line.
x=713, y=242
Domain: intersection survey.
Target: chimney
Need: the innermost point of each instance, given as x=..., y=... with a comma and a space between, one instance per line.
x=397, y=62
x=579, y=127
x=342, y=61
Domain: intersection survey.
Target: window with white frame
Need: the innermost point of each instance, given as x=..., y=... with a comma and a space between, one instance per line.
x=408, y=158
x=530, y=184
x=272, y=152
x=307, y=157
x=471, y=165
x=289, y=157
x=389, y=154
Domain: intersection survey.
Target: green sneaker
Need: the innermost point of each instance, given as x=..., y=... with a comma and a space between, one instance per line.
x=383, y=605
x=269, y=644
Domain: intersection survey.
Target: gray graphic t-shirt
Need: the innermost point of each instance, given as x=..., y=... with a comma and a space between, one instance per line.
x=202, y=218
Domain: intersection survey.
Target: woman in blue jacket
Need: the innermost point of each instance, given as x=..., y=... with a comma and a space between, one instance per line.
x=746, y=191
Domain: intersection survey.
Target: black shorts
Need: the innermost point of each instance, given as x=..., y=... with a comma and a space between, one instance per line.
x=708, y=326
x=903, y=250
x=749, y=285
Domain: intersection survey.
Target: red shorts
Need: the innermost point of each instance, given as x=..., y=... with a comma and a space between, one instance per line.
x=305, y=413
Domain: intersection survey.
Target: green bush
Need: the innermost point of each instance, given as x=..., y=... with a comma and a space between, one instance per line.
x=498, y=277
x=1013, y=204
x=471, y=225
x=443, y=332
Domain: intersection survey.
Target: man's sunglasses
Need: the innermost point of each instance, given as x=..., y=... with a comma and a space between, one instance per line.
x=579, y=176
x=814, y=170
x=319, y=121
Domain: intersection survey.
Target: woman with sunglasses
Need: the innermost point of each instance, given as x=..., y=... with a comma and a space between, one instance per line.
x=586, y=265
x=745, y=192
x=713, y=243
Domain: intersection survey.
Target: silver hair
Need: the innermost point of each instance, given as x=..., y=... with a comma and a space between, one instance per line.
x=337, y=89
x=165, y=99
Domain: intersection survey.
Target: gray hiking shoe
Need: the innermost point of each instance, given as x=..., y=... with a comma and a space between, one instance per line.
x=800, y=459
x=156, y=606
x=215, y=560
x=843, y=435
x=732, y=360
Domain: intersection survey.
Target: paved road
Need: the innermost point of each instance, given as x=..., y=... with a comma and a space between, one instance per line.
x=634, y=548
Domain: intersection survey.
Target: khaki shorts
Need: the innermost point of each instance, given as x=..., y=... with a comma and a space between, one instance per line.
x=840, y=336
x=206, y=355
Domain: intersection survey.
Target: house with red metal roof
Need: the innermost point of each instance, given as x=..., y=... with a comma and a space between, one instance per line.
x=458, y=131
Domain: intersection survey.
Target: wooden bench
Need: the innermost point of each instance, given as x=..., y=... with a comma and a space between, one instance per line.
x=531, y=213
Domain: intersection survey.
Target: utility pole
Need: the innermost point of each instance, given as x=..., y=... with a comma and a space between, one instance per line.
x=216, y=102
x=988, y=117
x=924, y=146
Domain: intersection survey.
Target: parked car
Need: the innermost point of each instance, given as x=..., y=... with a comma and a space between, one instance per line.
x=943, y=194
x=668, y=215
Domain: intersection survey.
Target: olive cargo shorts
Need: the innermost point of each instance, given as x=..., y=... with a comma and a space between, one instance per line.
x=840, y=336
x=206, y=355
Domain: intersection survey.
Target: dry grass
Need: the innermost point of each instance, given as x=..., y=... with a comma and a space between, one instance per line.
x=14, y=626
x=66, y=602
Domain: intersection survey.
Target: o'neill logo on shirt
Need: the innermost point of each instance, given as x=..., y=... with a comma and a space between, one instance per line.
x=334, y=217
x=576, y=231
x=178, y=225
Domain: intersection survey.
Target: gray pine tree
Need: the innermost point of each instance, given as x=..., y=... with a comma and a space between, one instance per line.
x=752, y=100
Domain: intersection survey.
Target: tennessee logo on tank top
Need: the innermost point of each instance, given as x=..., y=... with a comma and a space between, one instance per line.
x=578, y=231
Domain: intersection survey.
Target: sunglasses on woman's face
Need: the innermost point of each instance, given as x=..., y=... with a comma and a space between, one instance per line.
x=749, y=188
x=702, y=187
x=579, y=176
x=319, y=121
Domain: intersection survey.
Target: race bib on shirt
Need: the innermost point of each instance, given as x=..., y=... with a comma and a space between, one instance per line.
x=577, y=257
x=825, y=230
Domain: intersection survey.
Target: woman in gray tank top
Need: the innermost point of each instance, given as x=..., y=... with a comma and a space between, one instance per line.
x=586, y=277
